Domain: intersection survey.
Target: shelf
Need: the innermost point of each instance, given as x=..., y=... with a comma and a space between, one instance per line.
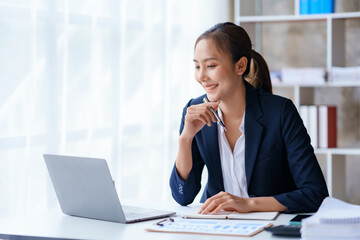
x=333, y=28
x=285, y=18
x=345, y=15
x=327, y=84
x=338, y=151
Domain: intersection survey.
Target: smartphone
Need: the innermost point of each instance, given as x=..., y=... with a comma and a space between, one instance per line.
x=297, y=219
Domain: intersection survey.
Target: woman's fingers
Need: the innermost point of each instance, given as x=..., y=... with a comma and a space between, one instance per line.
x=224, y=201
x=214, y=106
x=230, y=204
x=208, y=205
x=219, y=208
x=206, y=108
x=197, y=116
x=201, y=112
x=211, y=117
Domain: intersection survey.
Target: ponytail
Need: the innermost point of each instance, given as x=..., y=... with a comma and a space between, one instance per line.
x=259, y=75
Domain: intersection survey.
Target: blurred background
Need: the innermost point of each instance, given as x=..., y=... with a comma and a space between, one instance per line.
x=96, y=78
x=109, y=79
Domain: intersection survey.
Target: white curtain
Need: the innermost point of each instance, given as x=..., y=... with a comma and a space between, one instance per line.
x=95, y=78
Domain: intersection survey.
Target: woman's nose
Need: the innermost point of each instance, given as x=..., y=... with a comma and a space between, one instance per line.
x=202, y=76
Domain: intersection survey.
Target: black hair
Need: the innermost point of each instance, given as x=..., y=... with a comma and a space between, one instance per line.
x=259, y=75
x=234, y=40
x=231, y=39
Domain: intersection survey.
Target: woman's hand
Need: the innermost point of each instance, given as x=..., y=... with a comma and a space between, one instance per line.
x=197, y=116
x=195, y=119
x=226, y=201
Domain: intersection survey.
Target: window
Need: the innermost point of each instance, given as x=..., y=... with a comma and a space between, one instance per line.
x=94, y=78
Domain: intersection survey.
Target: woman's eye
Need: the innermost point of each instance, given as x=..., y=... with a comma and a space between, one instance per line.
x=211, y=66
x=197, y=67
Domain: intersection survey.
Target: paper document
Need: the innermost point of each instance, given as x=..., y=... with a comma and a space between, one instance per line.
x=335, y=219
x=333, y=210
x=212, y=227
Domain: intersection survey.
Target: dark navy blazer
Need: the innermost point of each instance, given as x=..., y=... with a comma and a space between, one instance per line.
x=279, y=160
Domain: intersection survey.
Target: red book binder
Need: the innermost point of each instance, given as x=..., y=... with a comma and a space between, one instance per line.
x=327, y=126
x=332, y=127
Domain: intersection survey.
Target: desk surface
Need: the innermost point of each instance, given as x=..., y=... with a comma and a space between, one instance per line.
x=53, y=223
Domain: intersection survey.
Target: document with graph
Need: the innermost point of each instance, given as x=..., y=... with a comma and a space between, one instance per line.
x=211, y=227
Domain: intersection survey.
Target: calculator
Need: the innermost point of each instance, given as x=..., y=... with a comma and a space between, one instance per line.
x=285, y=230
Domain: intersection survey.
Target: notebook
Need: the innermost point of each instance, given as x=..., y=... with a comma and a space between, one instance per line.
x=232, y=215
x=84, y=188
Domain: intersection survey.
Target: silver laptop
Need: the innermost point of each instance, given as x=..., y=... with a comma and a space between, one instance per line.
x=84, y=188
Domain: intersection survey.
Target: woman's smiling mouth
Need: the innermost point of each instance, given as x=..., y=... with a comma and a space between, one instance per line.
x=210, y=87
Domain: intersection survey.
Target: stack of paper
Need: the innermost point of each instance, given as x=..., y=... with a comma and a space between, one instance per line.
x=303, y=75
x=335, y=219
x=345, y=74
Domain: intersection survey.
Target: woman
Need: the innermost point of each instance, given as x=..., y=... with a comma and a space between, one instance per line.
x=263, y=161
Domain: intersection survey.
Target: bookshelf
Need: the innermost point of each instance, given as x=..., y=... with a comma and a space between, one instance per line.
x=247, y=13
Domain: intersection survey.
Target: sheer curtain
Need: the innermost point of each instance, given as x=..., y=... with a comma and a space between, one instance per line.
x=100, y=78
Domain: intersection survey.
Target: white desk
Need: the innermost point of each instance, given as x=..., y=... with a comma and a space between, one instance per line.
x=53, y=223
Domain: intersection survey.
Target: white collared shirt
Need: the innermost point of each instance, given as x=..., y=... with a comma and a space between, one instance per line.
x=233, y=163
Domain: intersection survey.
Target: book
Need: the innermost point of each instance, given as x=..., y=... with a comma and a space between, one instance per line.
x=304, y=114
x=327, y=126
x=313, y=125
x=210, y=227
x=315, y=6
x=234, y=215
x=335, y=219
x=326, y=6
x=304, y=7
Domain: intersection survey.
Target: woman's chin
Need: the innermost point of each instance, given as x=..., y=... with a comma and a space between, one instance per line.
x=212, y=98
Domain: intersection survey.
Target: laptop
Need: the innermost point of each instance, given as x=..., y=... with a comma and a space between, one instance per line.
x=84, y=188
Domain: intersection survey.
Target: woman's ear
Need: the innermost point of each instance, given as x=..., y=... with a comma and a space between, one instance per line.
x=240, y=66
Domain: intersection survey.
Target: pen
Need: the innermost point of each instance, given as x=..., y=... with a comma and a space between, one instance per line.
x=162, y=222
x=215, y=114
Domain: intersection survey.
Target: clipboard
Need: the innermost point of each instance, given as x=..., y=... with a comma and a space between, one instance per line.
x=210, y=227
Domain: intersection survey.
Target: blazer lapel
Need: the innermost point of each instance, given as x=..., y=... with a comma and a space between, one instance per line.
x=211, y=145
x=253, y=130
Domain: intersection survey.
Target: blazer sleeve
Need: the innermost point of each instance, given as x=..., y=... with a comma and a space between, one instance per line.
x=306, y=172
x=184, y=192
